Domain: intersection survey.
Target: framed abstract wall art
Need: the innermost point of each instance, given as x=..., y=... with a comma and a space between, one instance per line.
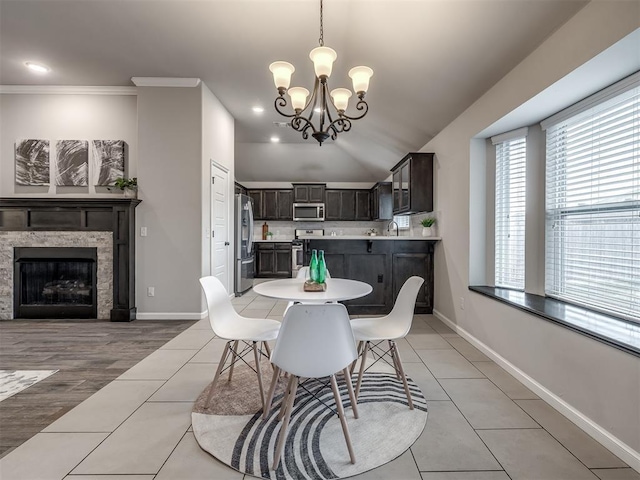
x=32, y=162
x=107, y=160
x=72, y=162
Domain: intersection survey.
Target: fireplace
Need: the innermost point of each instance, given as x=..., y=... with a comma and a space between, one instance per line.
x=80, y=282
x=55, y=282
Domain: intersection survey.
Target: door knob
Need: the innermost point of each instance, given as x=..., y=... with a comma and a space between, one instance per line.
x=226, y=244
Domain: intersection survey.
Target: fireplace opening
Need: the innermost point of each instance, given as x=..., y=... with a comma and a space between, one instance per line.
x=55, y=282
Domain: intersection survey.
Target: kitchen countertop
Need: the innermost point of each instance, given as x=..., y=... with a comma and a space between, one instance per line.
x=279, y=240
x=366, y=237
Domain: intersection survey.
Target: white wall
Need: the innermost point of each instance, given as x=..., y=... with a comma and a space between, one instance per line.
x=64, y=117
x=587, y=377
x=217, y=146
x=169, y=172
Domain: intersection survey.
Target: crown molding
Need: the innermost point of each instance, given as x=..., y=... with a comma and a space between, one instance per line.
x=165, y=82
x=66, y=90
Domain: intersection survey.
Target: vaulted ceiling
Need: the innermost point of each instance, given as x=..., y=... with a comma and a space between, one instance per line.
x=431, y=60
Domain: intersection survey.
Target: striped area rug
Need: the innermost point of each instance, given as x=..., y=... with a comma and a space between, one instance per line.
x=315, y=447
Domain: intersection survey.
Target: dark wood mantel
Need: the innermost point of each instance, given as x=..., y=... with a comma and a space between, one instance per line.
x=85, y=214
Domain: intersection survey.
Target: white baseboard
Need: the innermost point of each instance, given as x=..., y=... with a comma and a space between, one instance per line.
x=170, y=315
x=615, y=445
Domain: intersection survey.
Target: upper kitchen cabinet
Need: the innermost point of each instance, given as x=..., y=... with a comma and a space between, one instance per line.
x=239, y=189
x=256, y=196
x=340, y=204
x=412, y=184
x=363, y=205
x=381, y=201
x=308, y=192
x=272, y=204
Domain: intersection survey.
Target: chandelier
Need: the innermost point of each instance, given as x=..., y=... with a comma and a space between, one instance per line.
x=321, y=102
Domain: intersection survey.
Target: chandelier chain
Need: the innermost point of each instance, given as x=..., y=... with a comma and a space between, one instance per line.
x=321, y=27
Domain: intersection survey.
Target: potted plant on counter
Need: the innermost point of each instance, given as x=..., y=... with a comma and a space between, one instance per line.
x=128, y=185
x=427, y=227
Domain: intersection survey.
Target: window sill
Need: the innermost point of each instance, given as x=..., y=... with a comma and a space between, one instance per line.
x=613, y=331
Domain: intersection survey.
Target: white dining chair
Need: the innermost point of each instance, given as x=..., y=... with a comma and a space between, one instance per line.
x=228, y=325
x=315, y=341
x=389, y=328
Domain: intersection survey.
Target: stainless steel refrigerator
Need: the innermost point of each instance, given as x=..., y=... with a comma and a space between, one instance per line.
x=244, y=244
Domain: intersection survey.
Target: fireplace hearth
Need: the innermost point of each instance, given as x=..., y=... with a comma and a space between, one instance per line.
x=55, y=282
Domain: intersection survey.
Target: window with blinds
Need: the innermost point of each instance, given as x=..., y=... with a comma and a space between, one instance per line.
x=593, y=202
x=511, y=156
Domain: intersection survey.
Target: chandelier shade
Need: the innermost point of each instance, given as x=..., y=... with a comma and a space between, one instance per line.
x=329, y=107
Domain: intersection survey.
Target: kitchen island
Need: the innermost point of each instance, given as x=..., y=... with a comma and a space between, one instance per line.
x=384, y=262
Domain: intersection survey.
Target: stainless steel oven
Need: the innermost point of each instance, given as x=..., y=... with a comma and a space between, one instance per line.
x=297, y=248
x=297, y=257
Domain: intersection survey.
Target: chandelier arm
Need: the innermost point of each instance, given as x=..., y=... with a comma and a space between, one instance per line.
x=301, y=124
x=361, y=105
x=342, y=124
x=282, y=102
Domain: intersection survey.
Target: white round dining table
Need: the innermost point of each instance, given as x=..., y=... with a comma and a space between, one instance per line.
x=292, y=289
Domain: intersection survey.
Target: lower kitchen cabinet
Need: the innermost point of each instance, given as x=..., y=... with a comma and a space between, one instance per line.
x=383, y=264
x=273, y=259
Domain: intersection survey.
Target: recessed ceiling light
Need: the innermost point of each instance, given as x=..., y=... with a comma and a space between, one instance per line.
x=275, y=139
x=317, y=110
x=257, y=109
x=37, y=67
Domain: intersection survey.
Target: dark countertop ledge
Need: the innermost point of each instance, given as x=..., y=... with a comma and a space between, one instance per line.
x=616, y=332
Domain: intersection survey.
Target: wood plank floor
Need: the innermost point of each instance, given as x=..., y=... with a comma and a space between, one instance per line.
x=88, y=354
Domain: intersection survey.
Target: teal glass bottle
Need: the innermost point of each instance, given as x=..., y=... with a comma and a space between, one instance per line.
x=313, y=266
x=322, y=268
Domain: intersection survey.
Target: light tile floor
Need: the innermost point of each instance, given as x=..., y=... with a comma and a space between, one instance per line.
x=482, y=425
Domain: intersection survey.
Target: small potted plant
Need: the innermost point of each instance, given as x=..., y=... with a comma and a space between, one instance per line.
x=128, y=185
x=427, y=227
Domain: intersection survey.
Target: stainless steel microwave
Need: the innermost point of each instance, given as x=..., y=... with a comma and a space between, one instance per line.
x=308, y=212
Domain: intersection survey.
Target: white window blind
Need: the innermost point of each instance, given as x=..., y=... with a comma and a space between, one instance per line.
x=511, y=156
x=593, y=206
x=402, y=221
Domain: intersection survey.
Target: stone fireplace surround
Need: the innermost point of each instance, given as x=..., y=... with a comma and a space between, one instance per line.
x=106, y=224
x=103, y=241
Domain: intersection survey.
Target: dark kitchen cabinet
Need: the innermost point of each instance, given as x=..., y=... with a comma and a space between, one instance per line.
x=308, y=192
x=256, y=196
x=272, y=204
x=285, y=204
x=340, y=204
x=273, y=259
x=239, y=189
x=363, y=205
x=383, y=264
x=381, y=201
x=412, y=184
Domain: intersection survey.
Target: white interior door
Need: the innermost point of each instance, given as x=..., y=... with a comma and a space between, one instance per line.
x=220, y=243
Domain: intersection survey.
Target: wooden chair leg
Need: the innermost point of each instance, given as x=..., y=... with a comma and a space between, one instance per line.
x=352, y=397
x=398, y=360
x=223, y=360
x=285, y=424
x=343, y=420
x=234, y=357
x=363, y=361
x=353, y=364
x=285, y=398
x=267, y=349
x=256, y=355
x=272, y=389
x=395, y=363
